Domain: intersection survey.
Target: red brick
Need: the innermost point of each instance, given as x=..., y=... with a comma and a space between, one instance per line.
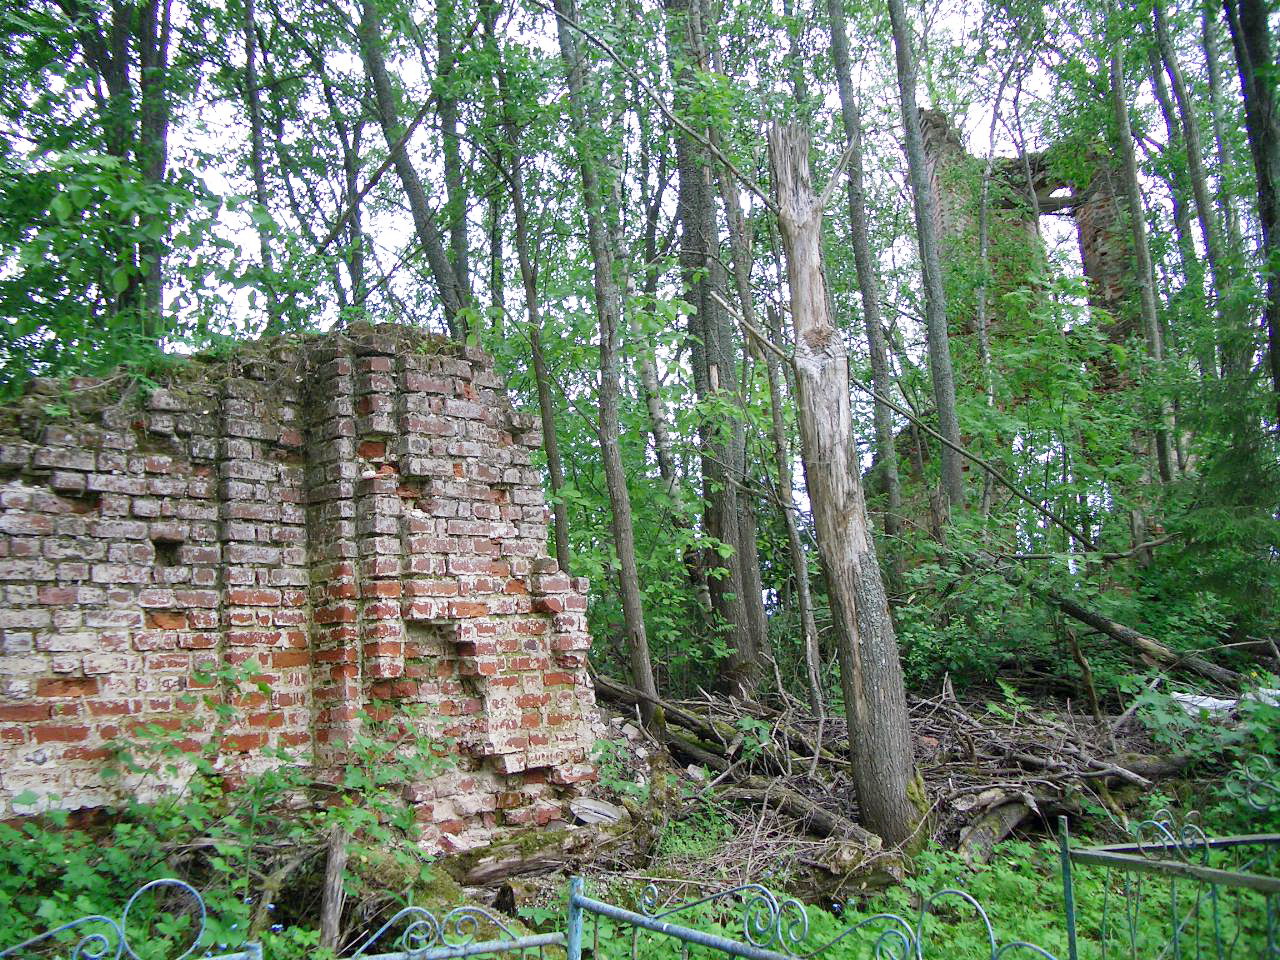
x=244, y=742
x=254, y=598
x=67, y=687
x=60, y=734
x=24, y=712
x=95, y=754
x=166, y=620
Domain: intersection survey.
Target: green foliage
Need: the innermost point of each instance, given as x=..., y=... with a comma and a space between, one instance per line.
x=222, y=834
x=611, y=768
x=698, y=833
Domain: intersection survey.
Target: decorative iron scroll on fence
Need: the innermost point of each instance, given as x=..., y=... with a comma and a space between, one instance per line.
x=774, y=929
x=421, y=935
x=1218, y=898
x=98, y=937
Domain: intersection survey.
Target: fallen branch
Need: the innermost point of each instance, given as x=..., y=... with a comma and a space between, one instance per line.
x=817, y=819
x=1143, y=644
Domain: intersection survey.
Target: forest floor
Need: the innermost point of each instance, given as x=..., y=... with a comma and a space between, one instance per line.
x=735, y=792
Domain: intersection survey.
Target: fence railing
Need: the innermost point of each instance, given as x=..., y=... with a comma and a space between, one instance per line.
x=1173, y=892
x=1176, y=892
x=413, y=933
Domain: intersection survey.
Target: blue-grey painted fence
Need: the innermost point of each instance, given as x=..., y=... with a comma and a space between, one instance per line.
x=1222, y=897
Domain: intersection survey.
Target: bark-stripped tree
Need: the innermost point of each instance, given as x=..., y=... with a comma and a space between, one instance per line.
x=890, y=793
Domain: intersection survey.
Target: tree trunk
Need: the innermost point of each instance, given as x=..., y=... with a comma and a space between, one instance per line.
x=749, y=655
x=153, y=147
x=452, y=300
x=1179, y=194
x=1225, y=297
x=871, y=675
x=864, y=264
x=608, y=304
x=1213, y=84
x=795, y=548
x=1142, y=254
x=935, y=300
x=714, y=354
x=447, y=109
x=256, y=158
x=529, y=283
x=1251, y=38
x=550, y=440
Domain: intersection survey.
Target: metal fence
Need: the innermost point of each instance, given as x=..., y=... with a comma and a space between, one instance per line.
x=413, y=933
x=1172, y=893
x=1176, y=892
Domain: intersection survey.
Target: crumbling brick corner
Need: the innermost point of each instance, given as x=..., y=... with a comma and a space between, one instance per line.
x=356, y=513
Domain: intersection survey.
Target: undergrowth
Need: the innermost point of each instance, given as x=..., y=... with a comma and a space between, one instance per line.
x=253, y=846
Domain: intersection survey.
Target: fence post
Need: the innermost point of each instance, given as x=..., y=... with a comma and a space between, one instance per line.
x=1068, y=889
x=573, y=935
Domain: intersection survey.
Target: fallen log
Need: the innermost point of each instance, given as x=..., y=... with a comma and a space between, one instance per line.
x=548, y=851
x=818, y=819
x=710, y=731
x=978, y=840
x=1143, y=644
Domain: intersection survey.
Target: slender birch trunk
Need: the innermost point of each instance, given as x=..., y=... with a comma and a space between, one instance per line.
x=864, y=264
x=608, y=304
x=1225, y=297
x=451, y=148
x=935, y=300
x=452, y=299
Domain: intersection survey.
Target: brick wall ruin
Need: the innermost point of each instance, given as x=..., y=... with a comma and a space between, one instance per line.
x=355, y=512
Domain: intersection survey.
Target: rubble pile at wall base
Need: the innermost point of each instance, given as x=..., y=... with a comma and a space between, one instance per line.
x=354, y=512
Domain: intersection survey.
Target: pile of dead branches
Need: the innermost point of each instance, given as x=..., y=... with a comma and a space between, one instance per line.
x=988, y=767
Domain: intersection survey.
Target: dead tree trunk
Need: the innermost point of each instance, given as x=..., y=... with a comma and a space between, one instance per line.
x=1142, y=644
x=795, y=548
x=935, y=299
x=871, y=674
